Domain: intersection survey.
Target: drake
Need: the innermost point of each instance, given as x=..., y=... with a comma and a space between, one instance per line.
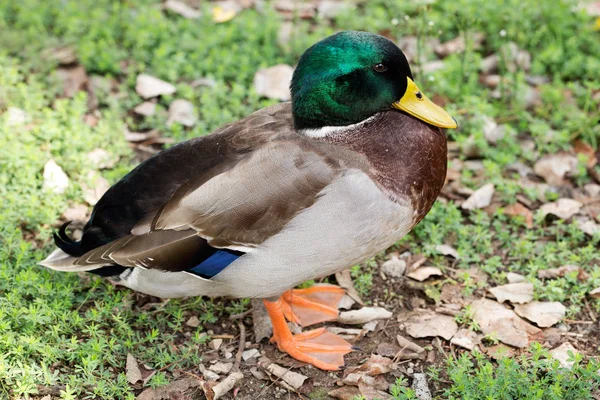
x=292, y=192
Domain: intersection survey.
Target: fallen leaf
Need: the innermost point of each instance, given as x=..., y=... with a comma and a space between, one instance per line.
x=293, y=379
x=589, y=227
x=208, y=374
x=94, y=188
x=226, y=385
x=543, y=313
x=562, y=208
x=515, y=278
x=457, y=45
x=133, y=372
x=145, y=109
x=221, y=14
x=363, y=315
x=408, y=345
x=587, y=152
x=261, y=323
x=553, y=168
x=221, y=367
x=344, y=279
x=165, y=392
x=62, y=55
x=501, y=323
x=16, y=116
x=595, y=293
x=55, y=178
x=148, y=86
x=181, y=8
x=368, y=392
x=561, y=353
x=499, y=351
x=466, y=338
x=345, y=393
x=521, y=292
x=346, y=302
x=492, y=131
x=481, y=198
x=370, y=372
x=519, y=210
x=102, y=159
x=73, y=79
x=331, y=8
x=274, y=82
x=447, y=250
x=182, y=111
x=394, y=267
x=420, y=274
x=426, y=323
x=140, y=136
x=77, y=212
x=420, y=387
x=559, y=272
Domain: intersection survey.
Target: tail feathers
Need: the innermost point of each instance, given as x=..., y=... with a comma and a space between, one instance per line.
x=61, y=261
x=65, y=243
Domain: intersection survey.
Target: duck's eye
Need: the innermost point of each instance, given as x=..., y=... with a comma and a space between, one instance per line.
x=379, y=67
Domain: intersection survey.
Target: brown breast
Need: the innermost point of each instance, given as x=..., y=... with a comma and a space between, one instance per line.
x=407, y=157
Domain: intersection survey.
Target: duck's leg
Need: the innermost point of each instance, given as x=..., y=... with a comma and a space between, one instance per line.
x=310, y=306
x=318, y=347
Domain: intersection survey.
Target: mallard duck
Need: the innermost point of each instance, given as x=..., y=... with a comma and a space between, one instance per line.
x=293, y=192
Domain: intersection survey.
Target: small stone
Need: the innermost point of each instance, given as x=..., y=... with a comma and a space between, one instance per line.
x=221, y=367
x=515, y=278
x=215, y=344
x=252, y=353
x=148, y=86
x=182, y=111
x=145, y=109
x=55, y=179
x=394, y=267
x=193, y=322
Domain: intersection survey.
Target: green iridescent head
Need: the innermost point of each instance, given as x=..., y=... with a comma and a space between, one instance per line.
x=351, y=76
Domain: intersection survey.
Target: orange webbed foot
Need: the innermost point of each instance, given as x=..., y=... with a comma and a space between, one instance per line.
x=310, y=306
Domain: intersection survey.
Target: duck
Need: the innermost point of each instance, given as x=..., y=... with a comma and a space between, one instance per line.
x=293, y=192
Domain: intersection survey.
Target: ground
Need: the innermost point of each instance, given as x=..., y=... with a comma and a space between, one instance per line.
x=521, y=201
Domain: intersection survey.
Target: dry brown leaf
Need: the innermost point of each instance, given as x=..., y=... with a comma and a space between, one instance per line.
x=55, y=179
x=561, y=353
x=512, y=277
x=587, y=151
x=457, y=45
x=420, y=274
x=331, y=8
x=344, y=279
x=77, y=212
x=165, y=392
x=502, y=323
x=102, y=159
x=181, y=8
x=345, y=393
x=519, y=210
x=141, y=136
x=426, y=323
x=595, y=293
x=559, y=272
x=293, y=379
x=466, y=338
x=521, y=292
x=145, y=109
x=553, y=168
x=499, y=351
x=481, y=198
x=589, y=227
x=274, y=82
x=226, y=385
x=543, y=313
x=394, y=267
x=408, y=345
x=447, y=250
x=492, y=131
x=148, y=86
x=370, y=372
x=133, y=372
x=363, y=315
x=562, y=208
x=368, y=392
x=73, y=79
x=182, y=111
x=62, y=55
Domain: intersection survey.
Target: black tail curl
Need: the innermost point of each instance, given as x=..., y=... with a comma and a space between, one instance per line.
x=65, y=243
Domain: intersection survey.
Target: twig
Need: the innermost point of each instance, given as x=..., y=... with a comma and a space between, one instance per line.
x=238, y=356
x=241, y=315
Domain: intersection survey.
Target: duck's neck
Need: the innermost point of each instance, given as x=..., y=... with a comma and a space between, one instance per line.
x=407, y=156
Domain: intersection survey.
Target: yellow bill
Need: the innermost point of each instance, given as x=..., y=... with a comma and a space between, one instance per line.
x=418, y=105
